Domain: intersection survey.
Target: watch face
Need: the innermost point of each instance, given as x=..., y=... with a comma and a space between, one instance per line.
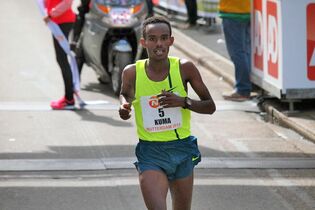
x=188, y=102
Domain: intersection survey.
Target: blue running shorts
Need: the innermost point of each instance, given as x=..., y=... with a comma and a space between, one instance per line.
x=176, y=159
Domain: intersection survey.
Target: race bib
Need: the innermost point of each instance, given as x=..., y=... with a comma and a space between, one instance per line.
x=156, y=118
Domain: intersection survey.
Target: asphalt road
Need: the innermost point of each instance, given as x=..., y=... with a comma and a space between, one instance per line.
x=66, y=159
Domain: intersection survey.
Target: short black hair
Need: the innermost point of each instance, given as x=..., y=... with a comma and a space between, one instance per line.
x=155, y=20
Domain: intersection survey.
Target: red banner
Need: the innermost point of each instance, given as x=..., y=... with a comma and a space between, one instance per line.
x=258, y=35
x=273, y=39
x=310, y=24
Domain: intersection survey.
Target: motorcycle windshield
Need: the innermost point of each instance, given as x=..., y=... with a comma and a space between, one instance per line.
x=118, y=2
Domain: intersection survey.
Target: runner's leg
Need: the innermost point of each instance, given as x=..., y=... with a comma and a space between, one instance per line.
x=154, y=187
x=181, y=191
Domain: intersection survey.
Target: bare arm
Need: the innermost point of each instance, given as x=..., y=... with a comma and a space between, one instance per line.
x=127, y=92
x=190, y=74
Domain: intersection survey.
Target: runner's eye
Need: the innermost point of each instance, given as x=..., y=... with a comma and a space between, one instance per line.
x=164, y=38
x=152, y=39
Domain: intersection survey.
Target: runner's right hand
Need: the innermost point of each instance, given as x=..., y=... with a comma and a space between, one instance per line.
x=124, y=111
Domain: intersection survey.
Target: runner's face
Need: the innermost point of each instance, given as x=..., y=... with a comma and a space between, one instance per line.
x=157, y=41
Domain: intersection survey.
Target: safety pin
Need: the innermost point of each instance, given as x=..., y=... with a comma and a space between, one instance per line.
x=171, y=90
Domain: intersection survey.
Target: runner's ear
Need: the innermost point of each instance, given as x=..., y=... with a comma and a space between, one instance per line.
x=171, y=40
x=142, y=42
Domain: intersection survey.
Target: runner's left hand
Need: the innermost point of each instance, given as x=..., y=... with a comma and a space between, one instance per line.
x=168, y=99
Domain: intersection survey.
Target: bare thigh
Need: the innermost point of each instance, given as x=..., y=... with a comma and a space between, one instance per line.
x=154, y=187
x=181, y=191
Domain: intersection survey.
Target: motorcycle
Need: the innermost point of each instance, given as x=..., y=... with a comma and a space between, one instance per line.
x=110, y=38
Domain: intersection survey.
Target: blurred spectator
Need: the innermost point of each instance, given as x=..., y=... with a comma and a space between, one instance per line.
x=60, y=12
x=191, y=6
x=235, y=16
x=192, y=14
x=150, y=8
x=83, y=8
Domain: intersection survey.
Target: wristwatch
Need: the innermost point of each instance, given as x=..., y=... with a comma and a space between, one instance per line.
x=188, y=103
